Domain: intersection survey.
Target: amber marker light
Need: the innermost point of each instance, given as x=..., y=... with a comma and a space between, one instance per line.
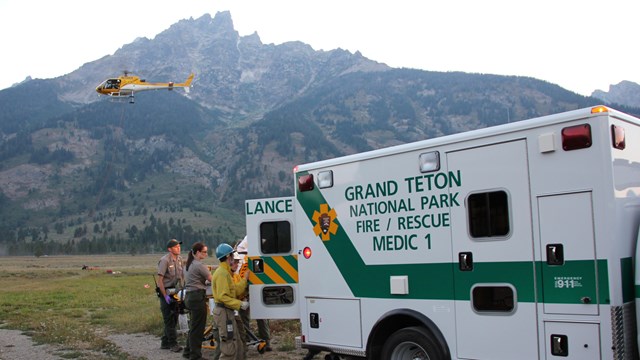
x=599, y=109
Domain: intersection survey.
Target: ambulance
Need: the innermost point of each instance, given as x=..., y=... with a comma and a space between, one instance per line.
x=510, y=242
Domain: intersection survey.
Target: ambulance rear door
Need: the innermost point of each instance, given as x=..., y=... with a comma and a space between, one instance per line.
x=272, y=258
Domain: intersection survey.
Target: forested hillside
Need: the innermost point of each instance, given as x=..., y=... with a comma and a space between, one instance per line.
x=86, y=174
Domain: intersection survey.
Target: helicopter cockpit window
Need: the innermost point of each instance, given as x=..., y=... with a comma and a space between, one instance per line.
x=112, y=84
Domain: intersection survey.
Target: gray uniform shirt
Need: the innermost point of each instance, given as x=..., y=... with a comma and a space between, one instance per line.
x=171, y=270
x=195, y=277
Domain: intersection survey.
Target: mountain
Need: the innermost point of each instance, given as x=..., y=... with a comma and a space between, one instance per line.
x=625, y=93
x=81, y=173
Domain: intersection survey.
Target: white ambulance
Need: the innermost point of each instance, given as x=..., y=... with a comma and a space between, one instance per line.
x=511, y=242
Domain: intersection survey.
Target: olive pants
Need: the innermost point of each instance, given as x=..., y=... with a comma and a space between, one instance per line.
x=231, y=343
x=242, y=353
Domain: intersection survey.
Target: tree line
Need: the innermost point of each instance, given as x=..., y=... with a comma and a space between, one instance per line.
x=136, y=240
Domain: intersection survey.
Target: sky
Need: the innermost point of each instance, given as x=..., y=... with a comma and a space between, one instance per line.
x=580, y=45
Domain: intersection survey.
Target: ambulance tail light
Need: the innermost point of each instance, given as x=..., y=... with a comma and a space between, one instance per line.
x=576, y=137
x=306, y=252
x=305, y=183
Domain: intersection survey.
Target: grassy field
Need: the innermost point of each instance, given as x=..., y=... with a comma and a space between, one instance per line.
x=55, y=301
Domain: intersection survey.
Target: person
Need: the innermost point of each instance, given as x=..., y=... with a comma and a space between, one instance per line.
x=197, y=277
x=169, y=278
x=242, y=292
x=241, y=285
x=264, y=333
x=226, y=303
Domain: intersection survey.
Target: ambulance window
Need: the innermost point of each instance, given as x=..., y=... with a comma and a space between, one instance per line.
x=488, y=214
x=276, y=237
x=277, y=295
x=493, y=298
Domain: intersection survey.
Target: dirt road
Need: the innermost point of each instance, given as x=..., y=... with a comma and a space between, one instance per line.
x=14, y=345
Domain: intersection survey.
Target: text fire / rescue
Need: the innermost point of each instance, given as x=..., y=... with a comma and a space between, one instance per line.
x=429, y=195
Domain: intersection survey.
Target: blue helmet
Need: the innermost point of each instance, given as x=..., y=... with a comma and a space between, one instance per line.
x=223, y=250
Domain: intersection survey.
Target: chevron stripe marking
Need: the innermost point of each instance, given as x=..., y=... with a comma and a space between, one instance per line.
x=272, y=274
x=254, y=279
x=284, y=264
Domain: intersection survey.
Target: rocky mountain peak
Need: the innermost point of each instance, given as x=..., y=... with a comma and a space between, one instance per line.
x=204, y=27
x=227, y=66
x=222, y=21
x=625, y=93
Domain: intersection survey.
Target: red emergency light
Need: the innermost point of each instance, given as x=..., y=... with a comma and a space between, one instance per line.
x=576, y=137
x=305, y=183
x=617, y=137
x=306, y=252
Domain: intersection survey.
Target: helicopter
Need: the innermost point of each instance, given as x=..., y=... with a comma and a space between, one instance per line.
x=127, y=85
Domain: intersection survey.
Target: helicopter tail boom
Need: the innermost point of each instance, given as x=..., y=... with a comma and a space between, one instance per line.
x=187, y=82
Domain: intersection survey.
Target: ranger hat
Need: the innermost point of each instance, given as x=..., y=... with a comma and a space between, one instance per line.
x=172, y=243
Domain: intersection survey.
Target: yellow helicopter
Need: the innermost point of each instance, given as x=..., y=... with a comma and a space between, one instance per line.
x=126, y=86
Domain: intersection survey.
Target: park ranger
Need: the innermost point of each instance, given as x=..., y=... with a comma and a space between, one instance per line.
x=170, y=276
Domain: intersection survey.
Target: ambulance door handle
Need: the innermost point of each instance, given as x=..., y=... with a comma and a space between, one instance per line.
x=258, y=266
x=465, y=261
x=559, y=345
x=555, y=254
